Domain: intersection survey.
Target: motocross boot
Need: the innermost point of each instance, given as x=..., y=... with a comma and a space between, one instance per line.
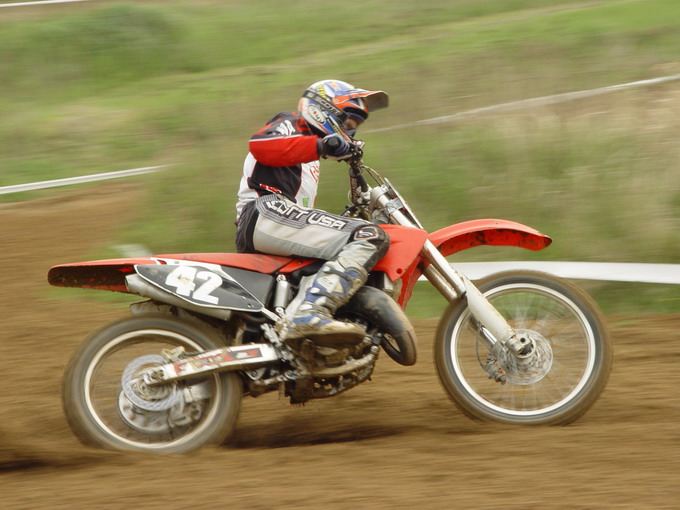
x=332, y=287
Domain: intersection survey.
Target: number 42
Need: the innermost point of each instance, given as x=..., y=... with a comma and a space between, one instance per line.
x=184, y=279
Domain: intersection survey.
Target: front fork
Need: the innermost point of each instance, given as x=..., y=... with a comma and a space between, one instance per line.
x=454, y=285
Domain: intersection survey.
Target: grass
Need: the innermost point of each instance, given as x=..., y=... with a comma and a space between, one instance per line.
x=92, y=88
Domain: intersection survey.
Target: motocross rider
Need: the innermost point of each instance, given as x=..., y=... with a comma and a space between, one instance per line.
x=275, y=213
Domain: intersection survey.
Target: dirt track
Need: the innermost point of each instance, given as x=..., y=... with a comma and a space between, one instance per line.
x=395, y=442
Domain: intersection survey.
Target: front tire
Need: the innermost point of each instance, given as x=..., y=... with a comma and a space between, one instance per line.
x=187, y=416
x=566, y=322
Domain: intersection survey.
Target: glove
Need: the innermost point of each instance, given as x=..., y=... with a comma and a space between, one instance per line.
x=334, y=146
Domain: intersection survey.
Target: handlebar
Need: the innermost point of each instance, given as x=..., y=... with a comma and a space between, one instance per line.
x=357, y=174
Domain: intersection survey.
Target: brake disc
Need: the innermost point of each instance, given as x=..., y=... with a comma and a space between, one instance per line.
x=150, y=398
x=530, y=369
x=157, y=409
x=147, y=422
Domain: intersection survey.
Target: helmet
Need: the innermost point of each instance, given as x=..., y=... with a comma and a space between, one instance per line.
x=326, y=104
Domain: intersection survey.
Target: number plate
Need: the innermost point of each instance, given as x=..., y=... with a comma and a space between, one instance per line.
x=205, y=285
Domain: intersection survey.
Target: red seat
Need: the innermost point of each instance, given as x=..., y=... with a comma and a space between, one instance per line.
x=251, y=261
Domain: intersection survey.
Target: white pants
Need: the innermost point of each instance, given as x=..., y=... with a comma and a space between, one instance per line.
x=276, y=225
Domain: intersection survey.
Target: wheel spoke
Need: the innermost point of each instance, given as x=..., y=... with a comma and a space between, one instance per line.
x=108, y=403
x=567, y=336
x=124, y=418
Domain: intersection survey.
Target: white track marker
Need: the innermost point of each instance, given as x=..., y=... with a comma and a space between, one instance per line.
x=42, y=2
x=603, y=271
x=609, y=271
x=79, y=180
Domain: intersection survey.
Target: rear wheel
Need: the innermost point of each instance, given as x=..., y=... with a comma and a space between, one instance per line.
x=108, y=405
x=570, y=365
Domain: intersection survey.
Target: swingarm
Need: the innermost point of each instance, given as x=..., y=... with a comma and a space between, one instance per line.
x=181, y=366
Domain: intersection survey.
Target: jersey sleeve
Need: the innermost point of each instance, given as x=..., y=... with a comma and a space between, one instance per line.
x=285, y=141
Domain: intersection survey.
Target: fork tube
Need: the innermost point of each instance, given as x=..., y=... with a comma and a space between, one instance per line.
x=441, y=284
x=478, y=304
x=432, y=254
x=453, y=284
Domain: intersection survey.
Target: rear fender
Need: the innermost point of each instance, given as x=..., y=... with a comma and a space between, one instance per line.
x=98, y=274
x=110, y=274
x=202, y=284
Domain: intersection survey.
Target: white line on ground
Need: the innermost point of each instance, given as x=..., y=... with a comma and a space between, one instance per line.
x=79, y=180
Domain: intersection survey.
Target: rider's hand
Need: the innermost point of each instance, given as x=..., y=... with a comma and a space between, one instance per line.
x=334, y=146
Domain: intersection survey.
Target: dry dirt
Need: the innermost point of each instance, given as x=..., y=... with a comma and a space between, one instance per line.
x=394, y=442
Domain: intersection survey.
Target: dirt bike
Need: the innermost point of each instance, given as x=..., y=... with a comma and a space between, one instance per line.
x=518, y=347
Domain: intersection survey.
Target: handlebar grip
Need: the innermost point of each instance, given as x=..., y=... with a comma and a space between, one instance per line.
x=333, y=143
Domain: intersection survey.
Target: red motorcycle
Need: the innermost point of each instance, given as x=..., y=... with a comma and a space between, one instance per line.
x=517, y=347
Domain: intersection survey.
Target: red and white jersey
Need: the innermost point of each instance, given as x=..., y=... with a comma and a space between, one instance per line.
x=283, y=159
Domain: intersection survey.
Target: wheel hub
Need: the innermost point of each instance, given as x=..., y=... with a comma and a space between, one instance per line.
x=526, y=369
x=149, y=398
x=153, y=409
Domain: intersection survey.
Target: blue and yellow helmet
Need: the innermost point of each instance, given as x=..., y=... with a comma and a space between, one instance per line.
x=326, y=104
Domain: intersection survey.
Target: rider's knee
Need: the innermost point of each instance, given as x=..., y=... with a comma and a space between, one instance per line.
x=373, y=235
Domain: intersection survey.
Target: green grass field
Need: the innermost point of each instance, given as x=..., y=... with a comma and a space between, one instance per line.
x=103, y=86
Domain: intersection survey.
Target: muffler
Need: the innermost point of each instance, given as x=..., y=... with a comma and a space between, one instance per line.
x=137, y=285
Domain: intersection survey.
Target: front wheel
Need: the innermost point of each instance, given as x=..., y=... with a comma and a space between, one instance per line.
x=572, y=363
x=108, y=405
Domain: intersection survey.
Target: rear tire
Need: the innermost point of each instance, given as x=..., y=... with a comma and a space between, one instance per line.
x=567, y=321
x=100, y=414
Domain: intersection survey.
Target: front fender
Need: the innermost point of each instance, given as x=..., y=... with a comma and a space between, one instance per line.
x=469, y=234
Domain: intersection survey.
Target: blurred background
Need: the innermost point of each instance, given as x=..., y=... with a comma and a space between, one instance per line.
x=99, y=86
